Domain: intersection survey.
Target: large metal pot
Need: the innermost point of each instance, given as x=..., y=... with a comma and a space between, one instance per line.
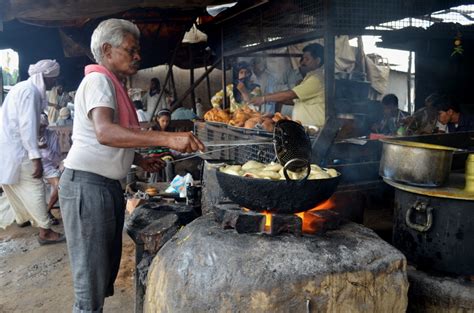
x=434, y=227
x=415, y=163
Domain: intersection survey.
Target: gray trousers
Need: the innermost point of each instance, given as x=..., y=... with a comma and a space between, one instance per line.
x=92, y=208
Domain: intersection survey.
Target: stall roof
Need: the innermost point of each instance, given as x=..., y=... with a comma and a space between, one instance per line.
x=67, y=10
x=61, y=29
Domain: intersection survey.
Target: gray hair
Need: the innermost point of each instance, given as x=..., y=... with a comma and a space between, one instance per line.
x=111, y=31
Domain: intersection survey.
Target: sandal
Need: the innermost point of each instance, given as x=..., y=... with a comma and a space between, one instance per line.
x=54, y=220
x=43, y=242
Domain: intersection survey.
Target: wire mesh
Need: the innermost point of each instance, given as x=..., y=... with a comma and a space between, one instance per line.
x=273, y=21
x=285, y=19
x=398, y=14
x=210, y=131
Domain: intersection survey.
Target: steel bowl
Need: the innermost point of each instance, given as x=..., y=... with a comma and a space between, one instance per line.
x=416, y=163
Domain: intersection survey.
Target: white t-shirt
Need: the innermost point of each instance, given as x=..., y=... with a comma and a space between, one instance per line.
x=86, y=153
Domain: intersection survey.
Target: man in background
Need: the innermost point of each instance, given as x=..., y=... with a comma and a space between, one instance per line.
x=268, y=83
x=393, y=119
x=309, y=95
x=21, y=170
x=57, y=99
x=150, y=99
x=449, y=114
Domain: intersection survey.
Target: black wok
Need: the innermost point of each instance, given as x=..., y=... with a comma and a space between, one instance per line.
x=277, y=196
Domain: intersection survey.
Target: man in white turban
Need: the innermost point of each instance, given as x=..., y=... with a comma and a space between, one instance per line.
x=21, y=169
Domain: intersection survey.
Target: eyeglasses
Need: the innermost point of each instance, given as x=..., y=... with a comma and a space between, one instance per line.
x=131, y=52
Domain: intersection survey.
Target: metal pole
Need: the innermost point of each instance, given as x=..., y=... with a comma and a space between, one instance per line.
x=191, y=63
x=208, y=81
x=173, y=85
x=177, y=104
x=329, y=61
x=224, y=82
x=410, y=60
x=168, y=75
x=1, y=86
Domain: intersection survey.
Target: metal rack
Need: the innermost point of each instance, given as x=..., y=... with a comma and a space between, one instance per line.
x=210, y=131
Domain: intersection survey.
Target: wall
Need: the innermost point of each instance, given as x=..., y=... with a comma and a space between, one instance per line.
x=182, y=81
x=397, y=84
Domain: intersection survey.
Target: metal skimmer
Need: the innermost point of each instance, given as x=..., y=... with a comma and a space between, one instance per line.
x=292, y=145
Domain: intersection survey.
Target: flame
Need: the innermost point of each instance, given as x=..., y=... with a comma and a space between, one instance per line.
x=311, y=223
x=268, y=221
x=268, y=218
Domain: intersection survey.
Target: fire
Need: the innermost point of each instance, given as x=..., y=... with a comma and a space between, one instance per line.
x=268, y=221
x=311, y=222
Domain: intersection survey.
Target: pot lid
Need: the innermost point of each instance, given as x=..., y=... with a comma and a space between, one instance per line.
x=414, y=144
x=454, y=188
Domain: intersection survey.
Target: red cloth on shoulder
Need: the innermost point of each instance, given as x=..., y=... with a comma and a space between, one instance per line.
x=125, y=109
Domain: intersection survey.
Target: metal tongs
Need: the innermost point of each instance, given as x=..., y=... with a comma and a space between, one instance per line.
x=227, y=144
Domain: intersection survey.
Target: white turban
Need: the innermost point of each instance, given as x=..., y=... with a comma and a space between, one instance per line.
x=49, y=68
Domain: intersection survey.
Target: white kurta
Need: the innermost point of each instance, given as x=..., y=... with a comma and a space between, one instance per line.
x=151, y=104
x=19, y=125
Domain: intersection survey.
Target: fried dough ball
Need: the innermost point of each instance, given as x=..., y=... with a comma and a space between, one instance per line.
x=268, y=125
x=252, y=164
x=151, y=191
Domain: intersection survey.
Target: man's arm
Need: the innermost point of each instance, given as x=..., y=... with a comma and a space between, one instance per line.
x=148, y=164
x=28, y=123
x=282, y=96
x=111, y=134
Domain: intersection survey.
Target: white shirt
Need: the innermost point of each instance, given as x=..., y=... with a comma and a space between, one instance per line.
x=151, y=102
x=141, y=116
x=86, y=153
x=19, y=125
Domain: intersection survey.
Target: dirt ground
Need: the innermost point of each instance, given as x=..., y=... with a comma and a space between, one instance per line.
x=36, y=278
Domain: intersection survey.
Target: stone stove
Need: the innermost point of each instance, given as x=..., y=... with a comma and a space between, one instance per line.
x=207, y=268
x=230, y=260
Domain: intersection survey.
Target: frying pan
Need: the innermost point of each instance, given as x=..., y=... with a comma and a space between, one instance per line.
x=277, y=196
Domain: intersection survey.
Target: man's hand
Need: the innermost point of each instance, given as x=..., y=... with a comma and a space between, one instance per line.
x=185, y=142
x=151, y=164
x=257, y=101
x=241, y=86
x=37, y=168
